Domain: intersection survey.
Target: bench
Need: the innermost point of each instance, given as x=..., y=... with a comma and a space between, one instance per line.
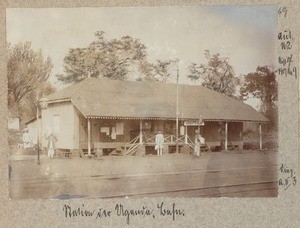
x=84, y=154
x=204, y=148
x=100, y=146
x=231, y=146
x=66, y=154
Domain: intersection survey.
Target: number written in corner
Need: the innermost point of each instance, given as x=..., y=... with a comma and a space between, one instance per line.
x=282, y=11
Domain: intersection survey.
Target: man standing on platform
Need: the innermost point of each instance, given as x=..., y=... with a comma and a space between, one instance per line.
x=197, y=149
x=159, y=143
x=51, y=143
x=26, y=138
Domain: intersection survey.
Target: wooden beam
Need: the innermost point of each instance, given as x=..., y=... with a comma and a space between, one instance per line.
x=226, y=135
x=185, y=136
x=89, y=136
x=38, y=132
x=260, y=136
x=141, y=132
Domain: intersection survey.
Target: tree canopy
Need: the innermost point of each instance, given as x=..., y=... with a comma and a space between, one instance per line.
x=262, y=84
x=217, y=74
x=27, y=73
x=158, y=72
x=113, y=59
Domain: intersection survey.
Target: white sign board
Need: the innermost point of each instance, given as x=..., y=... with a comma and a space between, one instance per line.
x=193, y=123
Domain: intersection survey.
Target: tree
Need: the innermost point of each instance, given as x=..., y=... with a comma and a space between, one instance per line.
x=27, y=70
x=113, y=59
x=103, y=59
x=28, y=105
x=263, y=85
x=156, y=72
x=217, y=74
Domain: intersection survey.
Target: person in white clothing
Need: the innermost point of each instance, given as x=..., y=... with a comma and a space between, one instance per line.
x=26, y=139
x=197, y=146
x=51, y=143
x=159, y=143
x=199, y=140
x=202, y=140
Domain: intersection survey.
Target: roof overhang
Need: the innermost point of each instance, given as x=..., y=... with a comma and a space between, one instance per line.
x=58, y=101
x=165, y=118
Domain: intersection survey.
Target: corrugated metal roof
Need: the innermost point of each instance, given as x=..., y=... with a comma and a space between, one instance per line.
x=116, y=98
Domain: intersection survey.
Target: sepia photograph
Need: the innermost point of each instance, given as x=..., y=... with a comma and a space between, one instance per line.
x=128, y=102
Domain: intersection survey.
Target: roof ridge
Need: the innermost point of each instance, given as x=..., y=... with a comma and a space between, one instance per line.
x=84, y=81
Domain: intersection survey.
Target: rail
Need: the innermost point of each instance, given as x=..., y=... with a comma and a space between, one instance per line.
x=168, y=139
x=190, y=143
x=133, y=144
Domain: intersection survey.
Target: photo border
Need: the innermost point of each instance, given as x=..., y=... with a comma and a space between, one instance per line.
x=215, y=212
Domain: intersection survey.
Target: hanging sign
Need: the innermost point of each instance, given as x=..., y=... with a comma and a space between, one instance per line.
x=194, y=123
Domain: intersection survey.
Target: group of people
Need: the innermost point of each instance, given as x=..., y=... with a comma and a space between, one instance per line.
x=49, y=136
x=159, y=143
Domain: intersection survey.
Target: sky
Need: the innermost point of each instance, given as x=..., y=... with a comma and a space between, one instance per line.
x=247, y=34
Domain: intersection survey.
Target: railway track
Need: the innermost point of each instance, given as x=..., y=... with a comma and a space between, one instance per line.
x=268, y=189
x=229, y=183
x=212, y=175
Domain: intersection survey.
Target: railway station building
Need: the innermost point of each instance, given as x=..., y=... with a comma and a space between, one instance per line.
x=103, y=116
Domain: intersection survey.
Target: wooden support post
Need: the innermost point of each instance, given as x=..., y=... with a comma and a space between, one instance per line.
x=177, y=110
x=185, y=136
x=260, y=137
x=141, y=132
x=226, y=135
x=89, y=137
x=177, y=128
x=38, y=133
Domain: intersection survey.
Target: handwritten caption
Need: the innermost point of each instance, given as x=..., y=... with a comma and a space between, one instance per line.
x=120, y=210
x=286, y=39
x=289, y=178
